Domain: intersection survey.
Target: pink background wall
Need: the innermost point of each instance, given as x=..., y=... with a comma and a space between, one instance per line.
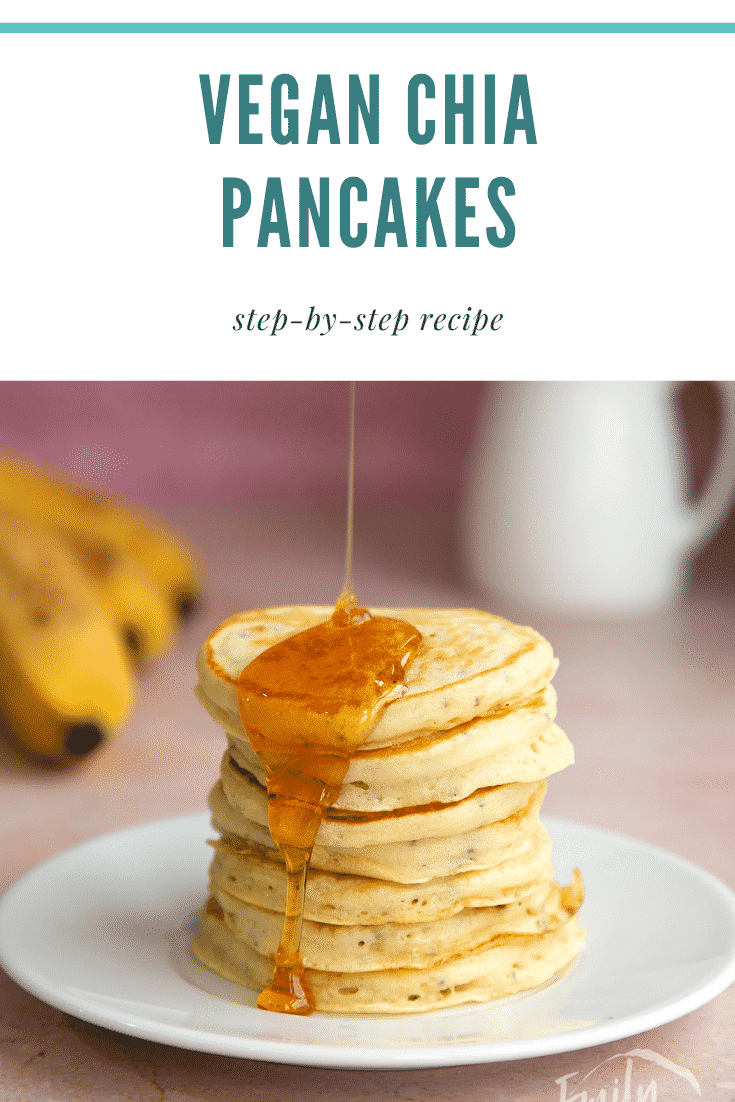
x=161, y=442
x=185, y=441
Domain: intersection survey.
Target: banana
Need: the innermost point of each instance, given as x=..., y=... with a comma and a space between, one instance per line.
x=65, y=680
x=103, y=524
x=145, y=621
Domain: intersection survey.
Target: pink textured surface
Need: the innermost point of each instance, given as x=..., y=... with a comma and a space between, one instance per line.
x=649, y=706
x=190, y=441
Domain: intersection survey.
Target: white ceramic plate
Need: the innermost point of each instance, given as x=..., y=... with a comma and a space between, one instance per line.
x=102, y=931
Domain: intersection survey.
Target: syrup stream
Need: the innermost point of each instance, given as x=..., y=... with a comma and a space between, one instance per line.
x=347, y=598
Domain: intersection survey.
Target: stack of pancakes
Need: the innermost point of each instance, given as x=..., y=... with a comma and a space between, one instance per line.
x=431, y=881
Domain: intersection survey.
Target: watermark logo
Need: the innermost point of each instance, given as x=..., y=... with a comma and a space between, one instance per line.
x=622, y=1091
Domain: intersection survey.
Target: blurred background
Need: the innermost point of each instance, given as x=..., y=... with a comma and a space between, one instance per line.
x=244, y=442
x=249, y=449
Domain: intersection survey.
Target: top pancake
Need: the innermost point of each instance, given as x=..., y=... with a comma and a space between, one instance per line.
x=470, y=662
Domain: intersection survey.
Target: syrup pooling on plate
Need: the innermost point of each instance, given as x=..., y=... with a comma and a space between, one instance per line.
x=307, y=704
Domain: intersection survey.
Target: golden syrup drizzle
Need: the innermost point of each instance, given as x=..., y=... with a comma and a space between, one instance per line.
x=347, y=596
x=307, y=704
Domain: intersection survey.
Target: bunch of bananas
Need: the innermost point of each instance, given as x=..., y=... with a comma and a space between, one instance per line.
x=88, y=590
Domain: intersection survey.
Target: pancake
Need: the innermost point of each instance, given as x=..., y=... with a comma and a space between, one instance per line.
x=408, y=862
x=345, y=899
x=330, y=948
x=355, y=828
x=506, y=966
x=396, y=782
x=429, y=755
x=470, y=663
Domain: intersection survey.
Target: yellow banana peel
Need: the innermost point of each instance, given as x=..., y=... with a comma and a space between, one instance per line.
x=102, y=524
x=66, y=683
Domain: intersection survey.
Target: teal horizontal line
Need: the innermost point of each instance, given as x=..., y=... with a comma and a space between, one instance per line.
x=367, y=28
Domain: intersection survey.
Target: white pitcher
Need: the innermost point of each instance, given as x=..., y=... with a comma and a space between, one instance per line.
x=575, y=502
